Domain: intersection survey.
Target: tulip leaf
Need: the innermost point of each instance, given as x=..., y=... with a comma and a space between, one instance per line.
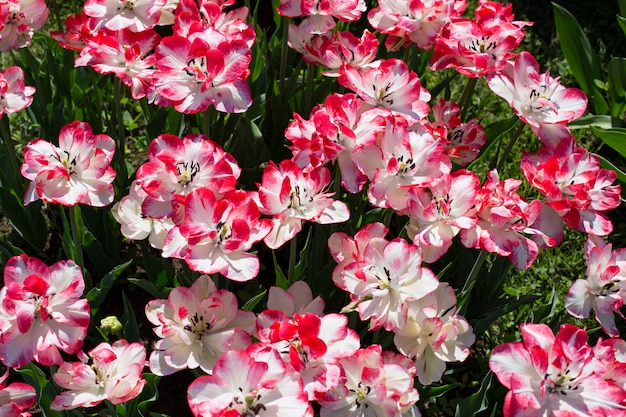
x=617, y=86
x=98, y=294
x=129, y=320
x=580, y=56
x=614, y=137
x=281, y=280
x=476, y=402
x=27, y=221
x=622, y=23
x=603, y=121
x=254, y=301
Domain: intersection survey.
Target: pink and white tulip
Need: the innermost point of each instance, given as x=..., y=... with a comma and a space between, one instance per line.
x=107, y=372
x=42, y=312
x=539, y=99
x=558, y=376
x=249, y=384
x=14, y=94
x=195, y=326
x=77, y=171
x=291, y=196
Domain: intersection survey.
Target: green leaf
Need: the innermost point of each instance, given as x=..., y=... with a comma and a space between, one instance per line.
x=98, y=294
x=27, y=221
x=545, y=311
x=302, y=264
x=494, y=132
x=252, y=302
x=622, y=7
x=159, y=270
x=617, y=86
x=622, y=23
x=580, y=56
x=428, y=392
x=281, y=280
x=129, y=320
x=498, y=309
x=247, y=144
x=477, y=402
x=614, y=137
x=606, y=164
x=139, y=405
x=155, y=291
x=602, y=121
x=46, y=391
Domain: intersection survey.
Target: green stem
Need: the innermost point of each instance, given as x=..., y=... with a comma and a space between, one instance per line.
x=74, y=212
x=293, y=248
x=283, y=53
x=121, y=134
x=466, y=98
x=469, y=283
x=509, y=147
x=57, y=15
x=14, y=164
x=207, y=117
x=311, y=72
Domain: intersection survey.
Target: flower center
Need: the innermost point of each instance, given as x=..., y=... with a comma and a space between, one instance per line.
x=249, y=406
x=196, y=67
x=562, y=383
x=198, y=326
x=186, y=172
x=224, y=232
x=483, y=45
x=69, y=165
x=405, y=167
x=381, y=95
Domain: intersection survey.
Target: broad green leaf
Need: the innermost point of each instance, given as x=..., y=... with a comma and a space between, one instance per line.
x=545, y=311
x=428, y=392
x=606, y=164
x=580, y=56
x=247, y=144
x=129, y=320
x=155, y=291
x=281, y=280
x=138, y=406
x=252, y=302
x=46, y=391
x=494, y=132
x=500, y=308
x=617, y=86
x=302, y=264
x=622, y=7
x=27, y=221
x=603, y=121
x=159, y=270
x=622, y=23
x=477, y=402
x=98, y=294
x=614, y=137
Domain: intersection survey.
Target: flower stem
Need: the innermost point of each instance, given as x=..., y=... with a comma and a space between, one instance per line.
x=469, y=282
x=464, y=103
x=121, y=136
x=509, y=147
x=283, y=53
x=77, y=239
x=206, y=122
x=311, y=71
x=14, y=165
x=57, y=15
x=293, y=248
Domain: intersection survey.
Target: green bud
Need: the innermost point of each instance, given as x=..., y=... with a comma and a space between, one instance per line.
x=110, y=325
